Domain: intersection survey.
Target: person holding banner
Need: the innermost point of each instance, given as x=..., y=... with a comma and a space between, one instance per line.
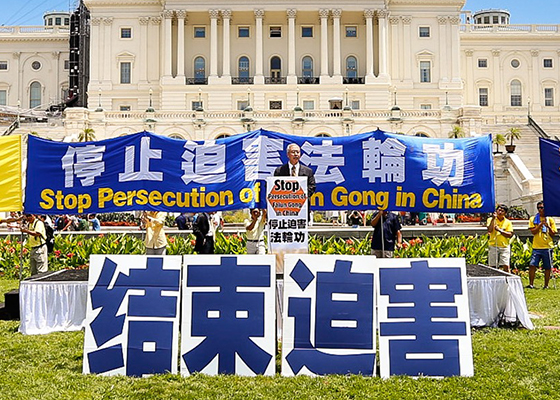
x=38, y=259
x=255, y=232
x=500, y=230
x=155, y=239
x=386, y=234
x=294, y=168
x=543, y=229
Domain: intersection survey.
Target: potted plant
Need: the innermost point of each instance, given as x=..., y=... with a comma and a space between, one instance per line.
x=498, y=139
x=511, y=134
x=457, y=132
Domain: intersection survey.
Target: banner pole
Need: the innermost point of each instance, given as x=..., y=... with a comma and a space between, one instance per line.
x=382, y=235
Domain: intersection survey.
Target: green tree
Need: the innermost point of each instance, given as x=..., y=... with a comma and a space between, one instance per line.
x=511, y=134
x=457, y=132
x=498, y=140
x=88, y=135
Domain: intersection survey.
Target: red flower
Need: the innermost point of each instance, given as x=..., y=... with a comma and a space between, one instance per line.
x=405, y=245
x=57, y=253
x=171, y=240
x=80, y=243
x=101, y=235
x=193, y=242
x=70, y=255
x=348, y=241
x=463, y=249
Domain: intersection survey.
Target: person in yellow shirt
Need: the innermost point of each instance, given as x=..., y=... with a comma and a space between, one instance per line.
x=39, y=258
x=155, y=240
x=543, y=229
x=500, y=230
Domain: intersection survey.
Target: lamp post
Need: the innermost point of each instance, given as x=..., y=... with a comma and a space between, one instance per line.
x=248, y=97
x=528, y=106
x=99, y=108
x=297, y=96
x=200, y=108
x=151, y=107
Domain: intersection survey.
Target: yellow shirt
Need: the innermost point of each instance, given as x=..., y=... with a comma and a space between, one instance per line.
x=496, y=238
x=37, y=226
x=257, y=233
x=543, y=240
x=155, y=235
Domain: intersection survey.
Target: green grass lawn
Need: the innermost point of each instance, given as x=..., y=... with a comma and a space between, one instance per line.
x=509, y=364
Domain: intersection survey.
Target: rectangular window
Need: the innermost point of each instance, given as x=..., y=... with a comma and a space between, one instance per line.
x=199, y=32
x=306, y=31
x=495, y=19
x=3, y=97
x=486, y=20
x=275, y=31
x=243, y=31
x=482, y=63
x=547, y=63
x=425, y=106
x=425, y=73
x=351, y=31
x=66, y=64
x=242, y=104
x=125, y=72
x=49, y=22
x=424, y=31
x=66, y=21
x=549, y=97
x=124, y=108
x=308, y=104
x=483, y=97
x=197, y=105
x=355, y=104
x=58, y=21
x=126, y=33
x=275, y=104
x=3, y=65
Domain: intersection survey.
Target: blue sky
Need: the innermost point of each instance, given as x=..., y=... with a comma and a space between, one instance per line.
x=30, y=12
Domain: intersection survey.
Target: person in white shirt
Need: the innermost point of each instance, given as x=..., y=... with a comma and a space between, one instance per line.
x=255, y=231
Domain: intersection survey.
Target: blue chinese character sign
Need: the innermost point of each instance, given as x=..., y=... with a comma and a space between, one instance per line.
x=144, y=171
x=228, y=324
x=423, y=312
x=132, y=318
x=329, y=315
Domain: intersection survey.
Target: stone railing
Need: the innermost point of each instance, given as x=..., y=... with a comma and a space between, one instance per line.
x=484, y=28
x=33, y=30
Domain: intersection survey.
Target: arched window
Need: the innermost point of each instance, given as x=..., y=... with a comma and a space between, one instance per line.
x=515, y=90
x=199, y=70
x=243, y=69
x=275, y=68
x=307, y=67
x=222, y=136
x=351, y=67
x=323, y=135
x=35, y=95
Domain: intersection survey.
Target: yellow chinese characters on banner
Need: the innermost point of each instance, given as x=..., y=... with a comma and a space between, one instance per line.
x=10, y=175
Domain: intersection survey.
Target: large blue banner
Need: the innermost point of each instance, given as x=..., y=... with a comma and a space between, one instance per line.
x=150, y=172
x=550, y=169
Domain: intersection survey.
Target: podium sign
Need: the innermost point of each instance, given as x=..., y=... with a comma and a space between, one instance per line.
x=288, y=211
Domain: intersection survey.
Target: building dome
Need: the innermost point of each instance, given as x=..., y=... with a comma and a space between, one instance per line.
x=491, y=17
x=57, y=18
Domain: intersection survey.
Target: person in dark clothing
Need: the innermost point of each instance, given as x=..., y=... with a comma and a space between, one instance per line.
x=181, y=222
x=204, y=233
x=392, y=235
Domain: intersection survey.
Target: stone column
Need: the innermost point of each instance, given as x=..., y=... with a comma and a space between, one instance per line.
x=397, y=56
x=408, y=59
x=337, y=62
x=368, y=14
x=108, y=55
x=214, y=14
x=534, y=91
x=498, y=89
x=154, y=32
x=444, y=58
x=292, y=77
x=167, y=37
x=181, y=16
x=143, y=56
x=259, y=76
x=96, y=51
x=324, y=15
x=454, y=22
x=56, y=58
x=226, y=62
x=382, y=16
x=469, y=95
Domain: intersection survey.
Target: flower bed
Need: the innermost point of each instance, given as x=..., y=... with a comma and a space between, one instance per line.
x=73, y=251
